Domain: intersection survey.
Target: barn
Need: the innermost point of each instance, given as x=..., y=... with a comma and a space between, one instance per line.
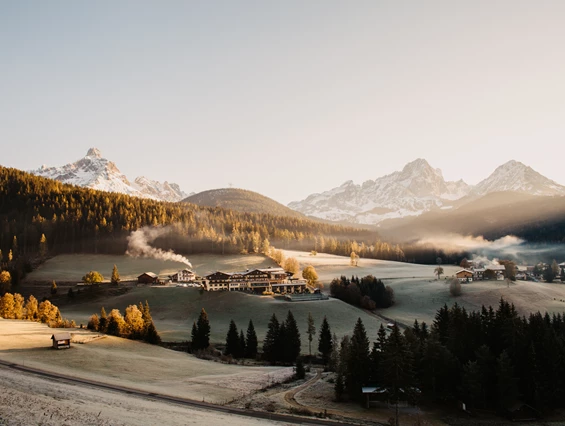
x=148, y=278
x=61, y=340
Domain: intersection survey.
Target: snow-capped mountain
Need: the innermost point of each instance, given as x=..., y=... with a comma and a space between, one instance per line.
x=416, y=189
x=94, y=171
x=517, y=177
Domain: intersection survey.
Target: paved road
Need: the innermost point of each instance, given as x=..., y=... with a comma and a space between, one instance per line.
x=172, y=399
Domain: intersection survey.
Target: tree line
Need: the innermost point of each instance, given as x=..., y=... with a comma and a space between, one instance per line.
x=14, y=306
x=45, y=216
x=136, y=324
x=489, y=359
x=367, y=292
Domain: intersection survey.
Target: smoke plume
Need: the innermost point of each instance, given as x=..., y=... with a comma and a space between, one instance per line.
x=139, y=245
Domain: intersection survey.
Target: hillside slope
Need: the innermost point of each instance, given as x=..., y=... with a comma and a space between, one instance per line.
x=241, y=200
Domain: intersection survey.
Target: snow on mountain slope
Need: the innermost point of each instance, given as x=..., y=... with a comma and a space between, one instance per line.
x=517, y=177
x=416, y=189
x=95, y=172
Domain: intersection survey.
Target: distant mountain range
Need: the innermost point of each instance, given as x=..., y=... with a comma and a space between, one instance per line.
x=416, y=189
x=95, y=172
x=241, y=200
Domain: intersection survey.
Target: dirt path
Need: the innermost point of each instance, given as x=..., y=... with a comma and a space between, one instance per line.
x=289, y=397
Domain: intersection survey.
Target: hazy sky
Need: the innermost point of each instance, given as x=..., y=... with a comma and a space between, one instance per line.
x=285, y=98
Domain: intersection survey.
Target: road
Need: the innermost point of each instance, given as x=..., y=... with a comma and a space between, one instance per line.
x=170, y=399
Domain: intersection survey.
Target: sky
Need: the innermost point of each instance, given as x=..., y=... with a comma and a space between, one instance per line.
x=283, y=98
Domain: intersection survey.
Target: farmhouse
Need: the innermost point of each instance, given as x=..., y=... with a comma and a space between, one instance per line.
x=61, y=340
x=464, y=275
x=148, y=278
x=257, y=280
x=184, y=276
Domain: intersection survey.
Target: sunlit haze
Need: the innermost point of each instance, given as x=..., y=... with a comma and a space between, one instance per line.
x=283, y=98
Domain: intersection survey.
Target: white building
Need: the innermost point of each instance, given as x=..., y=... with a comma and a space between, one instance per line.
x=184, y=276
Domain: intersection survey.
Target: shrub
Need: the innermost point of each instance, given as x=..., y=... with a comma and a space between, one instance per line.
x=455, y=287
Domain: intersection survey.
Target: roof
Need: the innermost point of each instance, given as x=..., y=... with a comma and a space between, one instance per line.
x=186, y=270
x=372, y=389
x=61, y=336
x=151, y=274
x=464, y=270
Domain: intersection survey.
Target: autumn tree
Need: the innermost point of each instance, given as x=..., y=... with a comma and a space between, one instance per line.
x=7, y=306
x=116, y=324
x=310, y=275
x=31, y=309
x=438, y=271
x=93, y=277
x=135, y=325
x=291, y=265
x=5, y=281
x=115, y=280
x=18, y=306
x=354, y=259
x=43, y=246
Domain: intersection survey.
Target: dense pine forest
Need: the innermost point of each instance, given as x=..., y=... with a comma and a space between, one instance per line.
x=489, y=359
x=70, y=219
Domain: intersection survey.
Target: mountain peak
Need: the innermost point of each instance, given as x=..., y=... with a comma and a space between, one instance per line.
x=94, y=152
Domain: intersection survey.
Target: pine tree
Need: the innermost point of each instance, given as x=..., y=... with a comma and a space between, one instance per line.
x=151, y=335
x=241, y=346
x=194, y=344
x=299, y=370
x=270, y=342
x=311, y=332
x=115, y=276
x=251, y=341
x=339, y=387
x=203, y=327
x=292, y=342
x=358, y=364
x=325, y=342
x=507, y=383
x=232, y=341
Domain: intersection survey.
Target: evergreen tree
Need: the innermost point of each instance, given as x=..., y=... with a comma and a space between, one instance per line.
x=251, y=341
x=325, y=341
x=115, y=276
x=507, y=384
x=194, y=345
x=358, y=363
x=311, y=332
x=333, y=361
x=548, y=274
x=472, y=387
x=396, y=367
x=151, y=335
x=232, y=341
x=270, y=342
x=203, y=331
x=291, y=339
x=339, y=387
x=241, y=347
x=299, y=370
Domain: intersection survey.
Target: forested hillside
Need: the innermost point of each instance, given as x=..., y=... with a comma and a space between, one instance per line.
x=79, y=220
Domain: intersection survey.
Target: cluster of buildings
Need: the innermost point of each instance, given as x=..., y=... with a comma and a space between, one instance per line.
x=271, y=280
x=261, y=280
x=495, y=272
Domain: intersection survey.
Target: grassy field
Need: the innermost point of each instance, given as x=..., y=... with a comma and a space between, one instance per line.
x=73, y=267
x=132, y=364
x=418, y=294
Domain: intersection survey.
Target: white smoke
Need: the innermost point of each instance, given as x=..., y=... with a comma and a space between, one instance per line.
x=459, y=243
x=139, y=245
